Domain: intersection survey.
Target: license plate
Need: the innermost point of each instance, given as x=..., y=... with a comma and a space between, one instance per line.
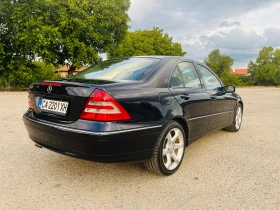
x=59, y=107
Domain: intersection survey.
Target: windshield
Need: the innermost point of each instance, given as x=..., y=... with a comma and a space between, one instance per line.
x=119, y=69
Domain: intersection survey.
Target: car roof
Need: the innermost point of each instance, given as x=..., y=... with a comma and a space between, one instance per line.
x=157, y=56
x=167, y=57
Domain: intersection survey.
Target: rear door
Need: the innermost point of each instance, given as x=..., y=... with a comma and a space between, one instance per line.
x=220, y=101
x=186, y=87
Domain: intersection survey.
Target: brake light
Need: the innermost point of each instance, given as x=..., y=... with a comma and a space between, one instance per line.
x=103, y=107
x=55, y=84
x=30, y=105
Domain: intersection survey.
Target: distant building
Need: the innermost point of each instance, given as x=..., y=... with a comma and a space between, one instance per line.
x=63, y=71
x=239, y=72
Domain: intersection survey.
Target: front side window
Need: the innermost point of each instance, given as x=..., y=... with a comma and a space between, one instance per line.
x=119, y=69
x=210, y=81
x=189, y=74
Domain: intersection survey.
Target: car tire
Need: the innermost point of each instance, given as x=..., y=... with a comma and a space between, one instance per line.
x=237, y=121
x=169, y=150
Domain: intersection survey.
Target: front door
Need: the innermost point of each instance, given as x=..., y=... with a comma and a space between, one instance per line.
x=221, y=107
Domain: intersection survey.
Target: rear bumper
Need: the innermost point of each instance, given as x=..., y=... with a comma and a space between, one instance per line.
x=116, y=146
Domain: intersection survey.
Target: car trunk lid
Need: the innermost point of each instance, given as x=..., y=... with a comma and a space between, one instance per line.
x=61, y=101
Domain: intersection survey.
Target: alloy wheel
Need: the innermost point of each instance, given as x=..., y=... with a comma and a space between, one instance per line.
x=238, y=118
x=173, y=149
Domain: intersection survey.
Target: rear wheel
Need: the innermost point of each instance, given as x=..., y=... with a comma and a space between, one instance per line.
x=169, y=150
x=236, y=124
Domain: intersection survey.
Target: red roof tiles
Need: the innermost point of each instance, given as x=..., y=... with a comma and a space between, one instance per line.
x=66, y=69
x=239, y=71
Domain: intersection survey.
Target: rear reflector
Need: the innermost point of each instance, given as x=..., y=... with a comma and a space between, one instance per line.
x=55, y=84
x=103, y=107
x=30, y=105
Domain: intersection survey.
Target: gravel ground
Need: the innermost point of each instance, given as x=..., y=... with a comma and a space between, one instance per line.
x=220, y=171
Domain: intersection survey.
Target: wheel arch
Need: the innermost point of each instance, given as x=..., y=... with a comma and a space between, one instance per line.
x=241, y=103
x=185, y=126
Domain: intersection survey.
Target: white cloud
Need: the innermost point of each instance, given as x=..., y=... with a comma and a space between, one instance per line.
x=237, y=39
x=272, y=36
x=239, y=28
x=140, y=9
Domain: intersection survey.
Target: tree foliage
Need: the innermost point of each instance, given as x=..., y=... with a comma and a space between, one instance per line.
x=221, y=65
x=26, y=74
x=146, y=42
x=58, y=32
x=266, y=69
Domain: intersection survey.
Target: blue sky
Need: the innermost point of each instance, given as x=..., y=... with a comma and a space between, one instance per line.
x=239, y=28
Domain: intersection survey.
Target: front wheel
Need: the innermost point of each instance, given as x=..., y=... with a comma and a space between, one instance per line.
x=236, y=124
x=169, y=150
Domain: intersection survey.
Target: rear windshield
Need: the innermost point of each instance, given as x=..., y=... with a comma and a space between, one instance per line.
x=119, y=69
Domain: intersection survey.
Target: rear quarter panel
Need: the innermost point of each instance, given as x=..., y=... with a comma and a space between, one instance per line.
x=147, y=104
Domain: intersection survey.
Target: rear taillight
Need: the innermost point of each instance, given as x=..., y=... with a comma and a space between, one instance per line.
x=103, y=107
x=30, y=105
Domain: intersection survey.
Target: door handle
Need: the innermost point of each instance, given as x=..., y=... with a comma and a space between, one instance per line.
x=185, y=96
x=213, y=97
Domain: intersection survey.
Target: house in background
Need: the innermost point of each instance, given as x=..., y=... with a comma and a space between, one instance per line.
x=63, y=71
x=239, y=72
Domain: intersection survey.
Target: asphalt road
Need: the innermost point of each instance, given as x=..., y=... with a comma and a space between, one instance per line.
x=220, y=171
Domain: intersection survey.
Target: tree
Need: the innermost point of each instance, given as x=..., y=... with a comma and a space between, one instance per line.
x=26, y=74
x=277, y=63
x=146, y=42
x=266, y=69
x=36, y=71
x=221, y=65
x=59, y=32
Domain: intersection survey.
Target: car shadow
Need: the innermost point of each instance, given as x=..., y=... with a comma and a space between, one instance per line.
x=69, y=168
x=73, y=167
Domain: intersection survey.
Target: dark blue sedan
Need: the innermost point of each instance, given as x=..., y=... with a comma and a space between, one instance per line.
x=144, y=109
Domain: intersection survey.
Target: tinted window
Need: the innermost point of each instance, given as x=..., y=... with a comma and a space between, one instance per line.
x=176, y=80
x=210, y=81
x=120, y=69
x=189, y=74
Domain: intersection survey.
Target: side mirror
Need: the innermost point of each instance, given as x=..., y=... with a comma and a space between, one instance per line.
x=229, y=89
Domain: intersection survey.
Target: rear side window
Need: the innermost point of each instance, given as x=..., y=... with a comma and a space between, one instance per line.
x=176, y=79
x=210, y=80
x=189, y=74
x=119, y=70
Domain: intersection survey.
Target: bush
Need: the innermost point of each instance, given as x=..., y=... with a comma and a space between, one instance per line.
x=230, y=79
x=27, y=74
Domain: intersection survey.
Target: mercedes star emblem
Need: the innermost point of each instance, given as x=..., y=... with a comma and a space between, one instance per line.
x=49, y=89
